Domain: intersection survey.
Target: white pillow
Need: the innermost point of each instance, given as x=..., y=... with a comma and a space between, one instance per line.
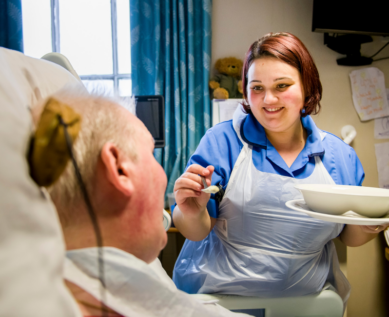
x=31, y=243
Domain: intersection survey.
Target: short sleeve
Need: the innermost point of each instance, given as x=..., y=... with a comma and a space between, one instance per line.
x=358, y=172
x=342, y=162
x=220, y=148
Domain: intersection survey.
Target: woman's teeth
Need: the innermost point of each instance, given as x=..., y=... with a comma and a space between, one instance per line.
x=272, y=109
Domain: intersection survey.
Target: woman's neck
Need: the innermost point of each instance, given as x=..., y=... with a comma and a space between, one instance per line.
x=288, y=143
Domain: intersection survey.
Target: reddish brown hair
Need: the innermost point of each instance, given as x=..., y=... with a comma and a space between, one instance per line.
x=289, y=49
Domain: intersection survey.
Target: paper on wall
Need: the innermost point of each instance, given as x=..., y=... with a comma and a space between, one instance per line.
x=369, y=95
x=381, y=125
x=227, y=109
x=382, y=155
x=223, y=110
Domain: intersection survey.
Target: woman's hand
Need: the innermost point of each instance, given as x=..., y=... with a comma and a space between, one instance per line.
x=187, y=190
x=374, y=229
x=190, y=216
x=354, y=235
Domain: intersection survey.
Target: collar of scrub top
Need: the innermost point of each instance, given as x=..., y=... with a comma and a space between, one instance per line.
x=254, y=134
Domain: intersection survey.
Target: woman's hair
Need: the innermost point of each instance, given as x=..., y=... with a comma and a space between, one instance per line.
x=289, y=49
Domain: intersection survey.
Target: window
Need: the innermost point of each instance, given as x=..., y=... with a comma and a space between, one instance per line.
x=93, y=34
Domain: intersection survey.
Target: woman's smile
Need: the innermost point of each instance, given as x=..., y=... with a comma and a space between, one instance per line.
x=273, y=110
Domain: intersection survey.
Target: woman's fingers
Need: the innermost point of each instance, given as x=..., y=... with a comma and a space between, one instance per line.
x=192, y=182
x=183, y=194
x=374, y=229
x=210, y=169
x=187, y=188
x=198, y=169
x=191, y=178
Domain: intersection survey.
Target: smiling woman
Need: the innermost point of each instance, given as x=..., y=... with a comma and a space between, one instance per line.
x=276, y=96
x=249, y=243
x=281, y=85
x=287, y=48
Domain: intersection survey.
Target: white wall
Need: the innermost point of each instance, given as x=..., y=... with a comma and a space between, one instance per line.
x=237, y=24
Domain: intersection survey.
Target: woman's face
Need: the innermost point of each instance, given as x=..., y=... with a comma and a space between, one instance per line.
x=275, y=94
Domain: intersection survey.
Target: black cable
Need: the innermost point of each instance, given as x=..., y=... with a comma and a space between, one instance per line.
x=92, y=215
x=379, y=50
x=379, y=59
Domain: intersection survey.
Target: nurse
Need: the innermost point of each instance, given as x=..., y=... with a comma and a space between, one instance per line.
x=249, y=243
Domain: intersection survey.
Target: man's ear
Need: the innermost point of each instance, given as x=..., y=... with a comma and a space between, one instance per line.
x=116, y=169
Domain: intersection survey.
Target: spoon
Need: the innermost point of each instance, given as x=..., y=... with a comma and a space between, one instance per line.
x=209, y=189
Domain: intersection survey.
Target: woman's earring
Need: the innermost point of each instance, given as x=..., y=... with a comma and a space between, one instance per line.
x=303, y=110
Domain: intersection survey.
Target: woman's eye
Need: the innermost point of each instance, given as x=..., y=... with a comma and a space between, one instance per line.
x=256, y=88
x=282, y=86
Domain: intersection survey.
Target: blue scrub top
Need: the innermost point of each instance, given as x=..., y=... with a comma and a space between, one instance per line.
x=221, y=147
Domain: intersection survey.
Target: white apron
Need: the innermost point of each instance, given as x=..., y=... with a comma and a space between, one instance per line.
x=265, y=248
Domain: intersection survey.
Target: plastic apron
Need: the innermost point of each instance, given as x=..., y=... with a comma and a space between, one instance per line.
x=259, y=247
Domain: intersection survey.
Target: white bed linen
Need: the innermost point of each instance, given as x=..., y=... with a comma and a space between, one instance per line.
x=31, y=242
x=135, y=288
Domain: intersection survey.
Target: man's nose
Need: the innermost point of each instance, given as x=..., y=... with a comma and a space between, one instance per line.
x=270, y=98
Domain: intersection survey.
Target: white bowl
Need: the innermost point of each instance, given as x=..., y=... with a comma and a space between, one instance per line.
x=337, y=199
x=167, y=220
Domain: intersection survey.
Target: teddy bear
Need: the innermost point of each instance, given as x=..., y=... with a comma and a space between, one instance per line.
x=227, y=84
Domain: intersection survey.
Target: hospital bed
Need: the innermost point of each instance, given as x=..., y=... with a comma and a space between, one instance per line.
x=327, y=303
x=61, y=60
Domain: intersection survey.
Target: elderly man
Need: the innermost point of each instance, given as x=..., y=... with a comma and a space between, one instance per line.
x=126, y=187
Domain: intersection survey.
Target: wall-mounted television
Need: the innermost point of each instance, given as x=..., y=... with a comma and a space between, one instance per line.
x=355, y=17
x=151, y=111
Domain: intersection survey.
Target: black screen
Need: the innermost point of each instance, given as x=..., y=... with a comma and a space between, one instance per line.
x=345, y=16
x=151, y=111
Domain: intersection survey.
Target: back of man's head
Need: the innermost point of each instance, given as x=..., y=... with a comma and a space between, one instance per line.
x=114, y=153
x=102, y=122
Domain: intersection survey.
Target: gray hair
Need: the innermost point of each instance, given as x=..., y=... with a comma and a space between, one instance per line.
x=102, y=122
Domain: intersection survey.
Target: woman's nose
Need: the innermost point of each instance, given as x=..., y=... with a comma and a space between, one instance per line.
x=270, y=98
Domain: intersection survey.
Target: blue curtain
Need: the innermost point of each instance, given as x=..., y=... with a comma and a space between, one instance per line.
x=11, y=30
x=170, y=56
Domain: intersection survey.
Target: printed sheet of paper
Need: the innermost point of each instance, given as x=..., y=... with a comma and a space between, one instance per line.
x=381, y=125
x=223, y=110
x=382, y=155
x=369, y=95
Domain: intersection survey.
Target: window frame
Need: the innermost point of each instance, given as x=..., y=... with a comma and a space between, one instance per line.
x=56, y=40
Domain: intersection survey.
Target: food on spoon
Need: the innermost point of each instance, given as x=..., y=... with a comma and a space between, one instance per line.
x=211, y=190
